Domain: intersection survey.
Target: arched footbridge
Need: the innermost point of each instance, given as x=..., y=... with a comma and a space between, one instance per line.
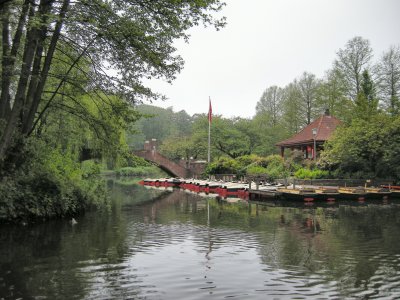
x=177, y=170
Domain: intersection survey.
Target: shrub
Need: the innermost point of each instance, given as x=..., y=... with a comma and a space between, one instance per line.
x=40, y=194
x=246, y=160
x=224, y=165
x=138, y=171
x=256, y=170
x=90, y=168
x=47, y=185
x=135, y=161
x=304, y=173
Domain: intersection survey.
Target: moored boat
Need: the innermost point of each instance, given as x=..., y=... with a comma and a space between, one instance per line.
x=172, y=182
x=353, y=193
x=231, y=189
x=328, y=194
x=266, y=194
x=378, y=193
x=301, y=194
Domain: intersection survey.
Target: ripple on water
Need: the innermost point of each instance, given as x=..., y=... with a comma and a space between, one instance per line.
x=173, y=254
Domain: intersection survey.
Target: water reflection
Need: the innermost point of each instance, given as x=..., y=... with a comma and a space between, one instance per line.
x=161, y=244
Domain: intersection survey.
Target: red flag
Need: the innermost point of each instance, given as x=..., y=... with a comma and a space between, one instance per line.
x=209, y=112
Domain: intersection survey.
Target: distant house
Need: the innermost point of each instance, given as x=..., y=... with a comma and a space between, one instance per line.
x=319, y=130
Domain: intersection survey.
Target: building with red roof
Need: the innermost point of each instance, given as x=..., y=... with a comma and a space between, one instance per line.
x=313, y=136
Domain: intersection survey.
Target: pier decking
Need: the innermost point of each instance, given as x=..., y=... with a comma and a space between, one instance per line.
x=276, y=192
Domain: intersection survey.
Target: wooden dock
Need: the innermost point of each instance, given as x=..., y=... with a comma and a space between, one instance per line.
x=323, y=194
x=264, y=194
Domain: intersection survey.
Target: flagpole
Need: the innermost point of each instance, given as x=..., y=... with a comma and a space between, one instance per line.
x=209, y=130
x=209, y=142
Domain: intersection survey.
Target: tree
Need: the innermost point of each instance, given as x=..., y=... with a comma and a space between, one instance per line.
x=159, y=123
x=365, y=148
x=331, y=94
x=176, y=148
x=134, y=38
x=366, y=103
x=351, y=62
x=308, y=86
x=271, y=103
x=265, y=135
x=388, y=71
x=228, y=139
x=292, y=116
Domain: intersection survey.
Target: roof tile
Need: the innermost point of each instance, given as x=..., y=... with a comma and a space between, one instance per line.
x=325, y=125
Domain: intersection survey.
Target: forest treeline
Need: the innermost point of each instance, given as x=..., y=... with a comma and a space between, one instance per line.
x=70, y=74
x=360, y=88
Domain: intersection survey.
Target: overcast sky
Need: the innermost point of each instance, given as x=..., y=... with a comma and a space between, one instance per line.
x=272, y=42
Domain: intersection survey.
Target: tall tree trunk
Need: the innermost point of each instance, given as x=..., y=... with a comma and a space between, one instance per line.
x=8, y=63
x=35, y=73
x=28, y=122
x=12, y=122
x=5, y=21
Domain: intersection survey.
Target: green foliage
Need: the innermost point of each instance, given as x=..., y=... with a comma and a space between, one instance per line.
x=246, y=160
x=256, y=170
x=90, y=168
x=273, y=166
x=135, y=161
x=49, y=184
x=304, y=173
x=159, y=123
x=351, y=62
x=179, y=147
x=331, y=94
x=51, y=157
x=227, y=137
x=365, y=148
x=276, y=167
x=366, y=103
x=148, y=171
x=388, y=70
x=223, y=165
x=266, y=133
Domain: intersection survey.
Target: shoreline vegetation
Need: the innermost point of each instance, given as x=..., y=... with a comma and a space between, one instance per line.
x=55, y=186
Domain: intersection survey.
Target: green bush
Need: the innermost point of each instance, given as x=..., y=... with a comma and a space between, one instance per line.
x=304, y=173
x=256, y=170
x=135, y=161
x=90, y=168
x=273, y=166
x=247, y=160
x=49, y=184
x=276, y=167
x=40, y=194
x=224, y=165
x=138, y=171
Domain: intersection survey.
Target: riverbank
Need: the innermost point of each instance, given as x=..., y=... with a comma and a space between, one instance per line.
x=53, y=187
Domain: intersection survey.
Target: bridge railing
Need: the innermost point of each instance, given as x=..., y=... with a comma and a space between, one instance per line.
x=164, y=162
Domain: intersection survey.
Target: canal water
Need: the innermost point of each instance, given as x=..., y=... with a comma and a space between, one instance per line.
x=161, y=244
